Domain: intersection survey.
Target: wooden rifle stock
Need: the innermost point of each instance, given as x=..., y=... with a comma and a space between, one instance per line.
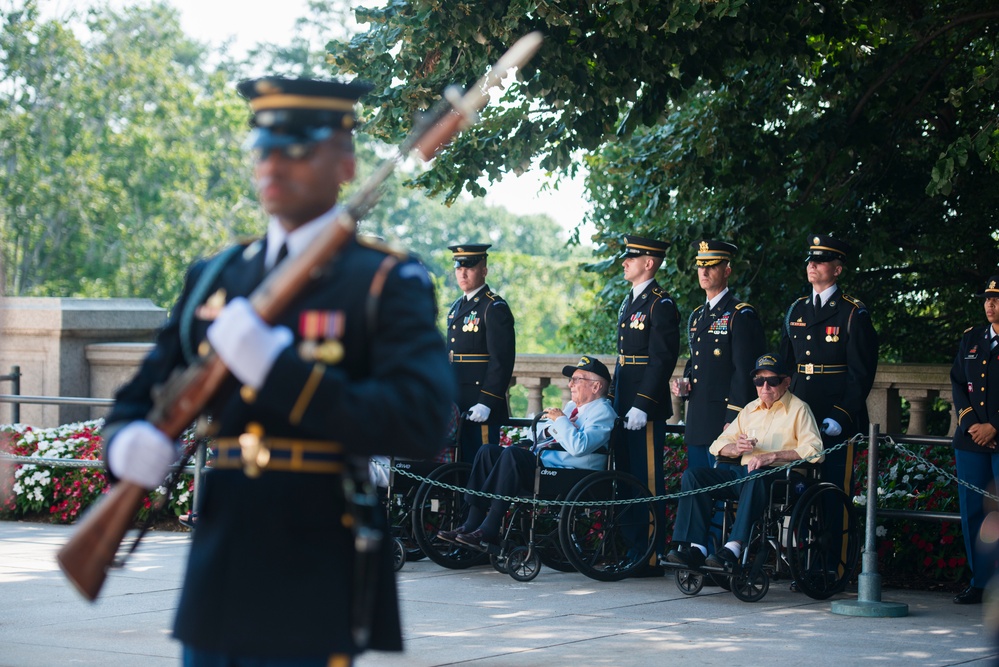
x=86, y=558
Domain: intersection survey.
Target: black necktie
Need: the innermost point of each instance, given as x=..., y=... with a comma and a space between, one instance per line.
x=282, y=253
x=818, y=303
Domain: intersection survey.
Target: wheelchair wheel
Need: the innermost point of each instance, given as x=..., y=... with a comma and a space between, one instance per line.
x=398, y=554
x=523, y=563
x=825, y=541
x=688, y=581
x=436, y=508
x=608, y=542
x=750, y=584
x=499, y=563
x=546, y=539
x=400, y=508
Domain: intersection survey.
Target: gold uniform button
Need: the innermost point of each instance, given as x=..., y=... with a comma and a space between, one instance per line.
x=808, y=337
x=248, y=394
x=808, y=353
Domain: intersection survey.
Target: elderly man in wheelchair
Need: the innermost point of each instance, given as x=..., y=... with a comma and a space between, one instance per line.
x=578, y=439
x=770, y=431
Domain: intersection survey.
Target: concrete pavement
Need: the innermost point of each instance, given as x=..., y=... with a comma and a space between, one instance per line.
x=483, y=618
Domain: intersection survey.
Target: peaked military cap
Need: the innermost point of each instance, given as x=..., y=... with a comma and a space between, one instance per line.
x=991, y=290
x=770, y=362
x=636, y=246
x=591, y=364
x=710, y=253
x=825, y=248
x=469, y=254
x=299, y=111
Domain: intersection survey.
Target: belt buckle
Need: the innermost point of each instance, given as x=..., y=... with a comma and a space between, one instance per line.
x=450, y=356
x=809, y=369
x=620, y=360
x=253, y=451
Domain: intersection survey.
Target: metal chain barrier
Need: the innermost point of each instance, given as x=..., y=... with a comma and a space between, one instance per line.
x=629, y=501
x=935, y=468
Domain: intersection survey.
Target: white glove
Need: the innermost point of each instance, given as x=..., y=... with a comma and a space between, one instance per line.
x=831, y=427
x=245, y=343
x=635, y=419
x=141, y=454
x=479, y=413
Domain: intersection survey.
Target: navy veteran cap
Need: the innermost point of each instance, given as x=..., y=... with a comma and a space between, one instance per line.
x=469, y=254
x=636, y=246
x=291, y=111
x=591, y=364
x=991, y=289
x=769, y=362
x=710, y=253
x=825, y=248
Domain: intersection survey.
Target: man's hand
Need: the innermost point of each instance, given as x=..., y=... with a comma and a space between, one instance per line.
x=141, y=454
x=831, y=427
x=554, y=413
x=984, y=435
x=247, y=345
x=479, y=413
x=635, y=419
x=744, y=444
x=761, y=461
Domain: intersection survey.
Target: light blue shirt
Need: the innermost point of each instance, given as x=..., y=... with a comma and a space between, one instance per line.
x=582, y=440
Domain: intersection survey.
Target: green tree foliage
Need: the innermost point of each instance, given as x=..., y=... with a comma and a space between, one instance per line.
x=121, y=159
x=755, y=122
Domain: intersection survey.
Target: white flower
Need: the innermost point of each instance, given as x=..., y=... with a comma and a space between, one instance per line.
x=881, y=531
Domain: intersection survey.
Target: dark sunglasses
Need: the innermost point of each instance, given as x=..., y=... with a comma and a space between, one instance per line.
x=772, y=380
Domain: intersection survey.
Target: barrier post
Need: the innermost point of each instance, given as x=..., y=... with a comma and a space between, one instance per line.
x=868, y=602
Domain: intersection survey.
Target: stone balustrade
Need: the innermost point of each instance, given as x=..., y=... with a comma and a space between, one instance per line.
x=89, y=347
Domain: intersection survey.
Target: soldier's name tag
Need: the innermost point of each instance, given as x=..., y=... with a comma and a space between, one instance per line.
x=799, y=323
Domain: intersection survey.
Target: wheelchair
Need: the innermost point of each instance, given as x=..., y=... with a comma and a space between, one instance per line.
x=808, y=533
x=590, y=534
x=401, y=491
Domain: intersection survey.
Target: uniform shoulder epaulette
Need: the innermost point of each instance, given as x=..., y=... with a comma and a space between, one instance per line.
x=493, y=296
x=740, y=306
x=968, y=329
x=377, y=244
x=856, y=302
x=659, y=291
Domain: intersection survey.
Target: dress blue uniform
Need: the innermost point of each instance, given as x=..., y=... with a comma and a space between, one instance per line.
x=725, y=342
x=975, y=387
x=833, y=357
x=648, y=345
x=271, y=570
x=482, y=348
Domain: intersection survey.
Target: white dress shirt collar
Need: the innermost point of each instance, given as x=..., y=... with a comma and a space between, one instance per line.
x=298, y=239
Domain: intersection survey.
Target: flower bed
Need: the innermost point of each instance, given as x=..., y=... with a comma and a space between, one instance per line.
x=60, y=494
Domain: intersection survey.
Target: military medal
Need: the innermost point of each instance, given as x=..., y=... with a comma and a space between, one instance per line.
x=321, y=331
x=471, y=322
x=832, y=334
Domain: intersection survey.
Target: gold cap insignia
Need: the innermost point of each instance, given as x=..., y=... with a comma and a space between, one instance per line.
x=703, y=247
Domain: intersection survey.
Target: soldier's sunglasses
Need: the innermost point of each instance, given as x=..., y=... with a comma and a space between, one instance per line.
x=772, y=380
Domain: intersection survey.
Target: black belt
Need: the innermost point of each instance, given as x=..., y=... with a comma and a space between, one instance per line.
x=821, y=369
x=255, y=454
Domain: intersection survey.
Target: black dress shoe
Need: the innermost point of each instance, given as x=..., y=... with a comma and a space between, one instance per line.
x=970, y=595
x=725, y=559
x=451, y=535
x=476, y=539
x=690, y=558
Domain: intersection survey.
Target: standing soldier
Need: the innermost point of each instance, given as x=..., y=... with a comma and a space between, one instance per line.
x=482, y=348
x=648, y=344
x=726, y=338
x=831, y=347
x=355, y=367
x=974, y=382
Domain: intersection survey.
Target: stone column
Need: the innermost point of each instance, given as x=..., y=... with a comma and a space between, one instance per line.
x=919, y=404
x=535, y=390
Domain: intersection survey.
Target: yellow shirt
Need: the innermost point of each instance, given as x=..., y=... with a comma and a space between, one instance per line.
x=788, y=424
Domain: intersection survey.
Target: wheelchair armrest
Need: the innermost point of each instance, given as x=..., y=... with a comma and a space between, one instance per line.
x=728, y=460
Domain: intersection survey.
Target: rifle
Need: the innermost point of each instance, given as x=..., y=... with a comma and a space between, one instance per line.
x=91, y=551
